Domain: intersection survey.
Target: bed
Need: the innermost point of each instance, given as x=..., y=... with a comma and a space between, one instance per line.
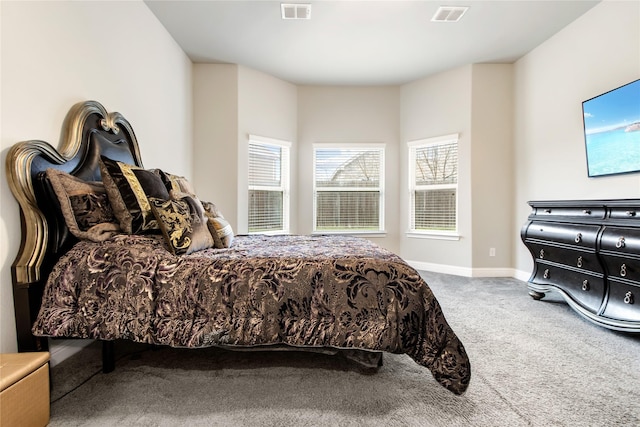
x=97, y=261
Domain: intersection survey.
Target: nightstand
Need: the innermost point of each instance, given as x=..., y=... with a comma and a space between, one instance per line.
x=24, y=389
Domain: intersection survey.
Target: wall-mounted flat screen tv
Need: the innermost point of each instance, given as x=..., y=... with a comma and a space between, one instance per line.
x=612, y=131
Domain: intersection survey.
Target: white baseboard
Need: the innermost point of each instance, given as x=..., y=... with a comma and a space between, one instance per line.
x=60, y=350
x=469, y=272
x=522, y=275
x=493, y=272
x=440, y=268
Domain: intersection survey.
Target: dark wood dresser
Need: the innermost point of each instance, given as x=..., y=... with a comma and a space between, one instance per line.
x=589, y=252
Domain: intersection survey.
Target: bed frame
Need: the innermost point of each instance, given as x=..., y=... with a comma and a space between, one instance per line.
x=88, y=132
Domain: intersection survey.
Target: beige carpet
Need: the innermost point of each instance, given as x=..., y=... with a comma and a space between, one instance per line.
x=534, y=363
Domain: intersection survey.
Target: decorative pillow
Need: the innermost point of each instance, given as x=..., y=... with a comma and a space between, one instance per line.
x=129, y=188
x=183, y=224
x=177, y=183
x=85, y=206
x=218, y=226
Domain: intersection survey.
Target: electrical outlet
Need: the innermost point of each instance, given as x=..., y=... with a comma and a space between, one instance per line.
x=492, y=251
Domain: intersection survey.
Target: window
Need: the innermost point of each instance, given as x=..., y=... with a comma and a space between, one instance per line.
x=348, y=188
x=433, y=184
x=268, y=185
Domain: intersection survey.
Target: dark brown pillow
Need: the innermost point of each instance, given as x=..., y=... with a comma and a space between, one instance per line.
x=177, y=183
x=183, y=224
x=129, y=188
x=85, y=206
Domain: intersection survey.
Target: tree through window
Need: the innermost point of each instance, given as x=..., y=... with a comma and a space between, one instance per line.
x=433, y=182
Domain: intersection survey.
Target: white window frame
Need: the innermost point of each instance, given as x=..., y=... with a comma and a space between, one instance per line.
x=413, y=187
x=381, y=147
x=285, y=185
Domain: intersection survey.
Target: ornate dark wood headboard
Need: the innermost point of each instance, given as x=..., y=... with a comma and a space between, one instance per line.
x=88, y=131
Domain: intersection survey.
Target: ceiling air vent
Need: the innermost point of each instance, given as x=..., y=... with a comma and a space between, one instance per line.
x=449, y=13
x=295, y=11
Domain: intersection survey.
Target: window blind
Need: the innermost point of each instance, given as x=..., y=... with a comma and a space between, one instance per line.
x=433, y=166
x=268, y=186
x=348, y=192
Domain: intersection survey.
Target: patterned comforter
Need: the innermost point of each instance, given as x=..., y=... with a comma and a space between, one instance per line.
x=321, y=291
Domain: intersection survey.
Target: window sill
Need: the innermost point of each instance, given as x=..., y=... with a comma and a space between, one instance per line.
x=432, y=235
x=268, y=233
x=352, y=233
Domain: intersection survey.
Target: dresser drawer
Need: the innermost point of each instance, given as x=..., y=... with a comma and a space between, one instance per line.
x=623, y=302
x=569, y=234
x=620, y=239
x=597, y=212
x=624, y=212
x=622, y=267
x=584, y=288
x=582, y=260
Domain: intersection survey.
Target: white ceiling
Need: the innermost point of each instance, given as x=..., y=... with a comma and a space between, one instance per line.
x=361, y=42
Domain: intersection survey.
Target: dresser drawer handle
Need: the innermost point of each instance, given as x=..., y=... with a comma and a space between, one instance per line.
x=628, y=298
x=578, y=238
x=579, y=263
x=623, y=270
x=541, y=253
x=586, y=212
x=546, y=274
x=620, y=243
x=631, y=213
x=585, y=285
x=547, y=211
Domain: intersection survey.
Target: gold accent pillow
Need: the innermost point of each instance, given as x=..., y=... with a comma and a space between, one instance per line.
x=219, y=227
x=84, y=205
x=183, y=224
x=129, y=188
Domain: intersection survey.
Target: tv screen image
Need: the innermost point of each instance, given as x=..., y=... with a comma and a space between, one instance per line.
x=612, y=131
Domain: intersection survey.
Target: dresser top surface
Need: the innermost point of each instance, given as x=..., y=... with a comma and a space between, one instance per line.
x=585, y=203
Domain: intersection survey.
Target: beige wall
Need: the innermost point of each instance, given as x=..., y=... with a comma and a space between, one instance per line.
x=491, y=168
x=474, y=101
x=267, y=107
x=435, y=106
x=55, y=54
x=234, y=100
x=215, y=135
x=596, y=53
x=350, y=115
x=230, y=103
